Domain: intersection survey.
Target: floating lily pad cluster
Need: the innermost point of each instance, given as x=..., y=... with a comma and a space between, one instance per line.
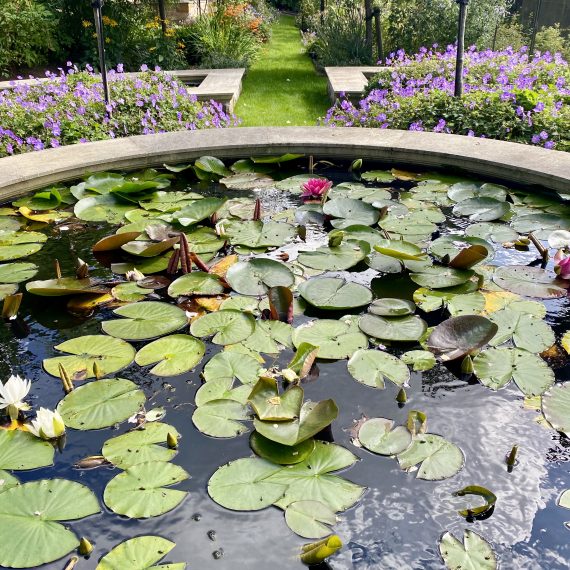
x=380, y=284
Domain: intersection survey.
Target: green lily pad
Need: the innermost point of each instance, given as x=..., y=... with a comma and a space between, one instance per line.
x=437, y=277
x=528, y=281
x=482, y=209
x=419, y=360
x=221, y=418
x=526, y=331
x=474, y=553
x=279, y=453
x=64, y=286
x=143, y=491
x=373, y=368
x=140, y=446
x=15, y=245
x=330, y=293
x=313, y=479
x=439, y=458
x=339, y=258
x=384, y=176
x=104, y=182
x=141, y=553
x=457, y=304
x=335, y=339
x=110, y=355
x=7, y=289
x=197, y=211
x=399, y=249
x=7, y=481
x=465, y=191
x=388, y=307
x=312, y=418
x=210, y=165
x=256, y=276
x=172, y=355
x=196, y=283
x=400, y=329
x=496, y=367
x=541, y=225
x=380, y=436
x=101, y=404
x=222, y=389
x=228, y=327
x=247, y=181
x=293, y=183
x=104, y=208
x=348, y=212
x=310, y=519
x=459, y=336
x=20, y=450
x=453, y=245
x=145, y=320
x=17, y=272
x=556, y=407
x=166, y=202
x=146, y=248
x=232, y=365
x=257, y=234
x=498, y=233
x=270, y=405
x=30, y=532
x=243, y=485
x=48, y=199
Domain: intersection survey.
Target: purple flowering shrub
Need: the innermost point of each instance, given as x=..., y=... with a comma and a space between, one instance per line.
x=70, y=108
x=507, y=96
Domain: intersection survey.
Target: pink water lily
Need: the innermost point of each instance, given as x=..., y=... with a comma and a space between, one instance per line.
x=562, y=265
x=315, y=189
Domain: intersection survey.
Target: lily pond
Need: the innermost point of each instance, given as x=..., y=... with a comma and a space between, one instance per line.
x=281, y=362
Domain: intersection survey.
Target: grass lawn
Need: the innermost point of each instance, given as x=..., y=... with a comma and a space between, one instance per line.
x=282, y=88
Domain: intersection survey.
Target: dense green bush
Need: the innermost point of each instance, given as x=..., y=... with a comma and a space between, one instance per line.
x=27, y=34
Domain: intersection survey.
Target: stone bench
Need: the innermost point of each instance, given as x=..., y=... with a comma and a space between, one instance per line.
x=221, y=85
x=351, y=81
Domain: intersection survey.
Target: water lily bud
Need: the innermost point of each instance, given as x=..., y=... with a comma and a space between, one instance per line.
x=467, y=365
x=335, y=238
x=318, y=552
x=97, y=372
x=512, y=457
x=356, y=165
x=172, y=441
x=85, y=547
x=289, y=375
x=48, y=424
x=402, y=397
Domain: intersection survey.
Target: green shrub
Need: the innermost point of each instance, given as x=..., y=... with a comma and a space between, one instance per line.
x=553, y=39
x=27, y=34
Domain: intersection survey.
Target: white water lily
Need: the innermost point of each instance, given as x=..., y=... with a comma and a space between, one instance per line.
x=47, y=425
x=134, y=275
x=12, y=394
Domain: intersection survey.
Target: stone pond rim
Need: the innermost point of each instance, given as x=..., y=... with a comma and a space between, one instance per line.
x=511, y=162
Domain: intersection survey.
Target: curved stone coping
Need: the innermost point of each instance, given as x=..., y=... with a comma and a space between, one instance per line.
x=511, y=162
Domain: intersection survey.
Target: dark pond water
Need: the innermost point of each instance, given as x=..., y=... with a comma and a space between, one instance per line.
x=400, y=519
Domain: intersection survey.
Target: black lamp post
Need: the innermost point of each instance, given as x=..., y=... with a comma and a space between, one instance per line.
x=460, y=47
x=97, y=6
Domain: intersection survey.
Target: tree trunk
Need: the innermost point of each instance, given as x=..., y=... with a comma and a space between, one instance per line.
x=162, y=15
x=368, y=13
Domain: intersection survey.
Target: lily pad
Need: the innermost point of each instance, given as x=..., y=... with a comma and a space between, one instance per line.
x=104, y=208
x=15, y=245
x=399, y=329
x=143, y=491
x=470, y=250
x=172, y=355
x=141, y=553
x=459, y=336
x=20, y=450
x=244, y=485
x=222, y=389
x=197, y=211
x=525, y=331
x=257, y=234
x=330, y=293
x=221, y=418
x=140, y=446
x=335, y=339
x=310, y=519
x=145, y=320
x=279, y=453
x=474, y=553
x=313, y=418
x=313, y=479
x=388, y=307
x=380, y=436
x=439, y=458
x=384, y=176
x=64, y=286
x=499, y=233
x=482, y=209
x=270, y=405
x=232, y=365
x=348, y=212
x=528, y=281
x=339, y=258
x=437, y=277
x=247, y=181
x=228, y=327
x=17, y=272
x=457, y=304
x=256, y=276
x=110, y=355
x=496, y=367
x=399, y=249
x=419, y=360
x=30, y=531
x=101, y=404
x=373, y=368
x=556, y=407
x=196, y=283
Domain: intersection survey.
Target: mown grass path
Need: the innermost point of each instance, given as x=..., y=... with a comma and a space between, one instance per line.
x=282, y=88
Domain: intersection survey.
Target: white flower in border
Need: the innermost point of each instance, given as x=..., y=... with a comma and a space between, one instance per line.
x=12, y=394
x=47, y=425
